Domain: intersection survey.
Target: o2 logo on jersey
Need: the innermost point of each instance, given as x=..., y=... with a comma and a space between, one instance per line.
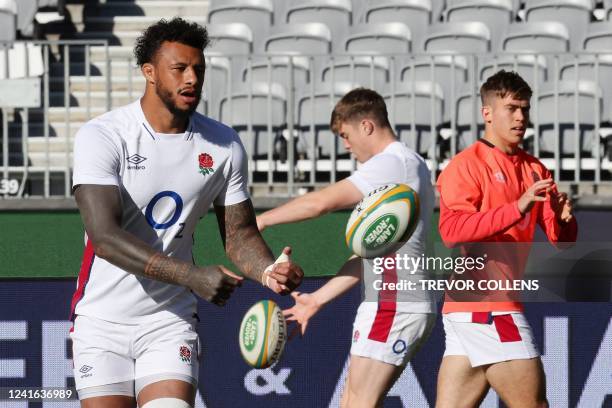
x=178, y=201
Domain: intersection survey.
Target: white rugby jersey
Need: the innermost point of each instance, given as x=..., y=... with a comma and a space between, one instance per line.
x=167, y=183
x=399, y=164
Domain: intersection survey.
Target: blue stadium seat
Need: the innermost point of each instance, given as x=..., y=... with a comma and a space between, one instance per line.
x=302, y=38
x=336, y=14
x=464, y=37
x=450, y=72
x=314, y=109
x=258, y=112
x=416, y=14
x=567, y=103
x=372, y=72
x=496, y=14
x=415, y=112
x=574, y=14
x=257, y=14
x=599, y=37
x=8, y=20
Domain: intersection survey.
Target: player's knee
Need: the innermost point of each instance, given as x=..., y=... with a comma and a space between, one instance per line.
x=167, y=403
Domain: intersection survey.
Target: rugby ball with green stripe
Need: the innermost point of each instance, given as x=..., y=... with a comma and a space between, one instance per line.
x=263, y=333
x=382, y=221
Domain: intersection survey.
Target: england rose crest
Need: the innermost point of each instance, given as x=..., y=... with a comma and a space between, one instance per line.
x=185, y=354
x=206, y=163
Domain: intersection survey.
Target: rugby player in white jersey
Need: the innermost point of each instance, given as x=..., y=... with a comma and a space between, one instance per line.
x=388, y=329
x=144, y=175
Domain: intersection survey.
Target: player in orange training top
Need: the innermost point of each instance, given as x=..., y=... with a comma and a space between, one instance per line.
x=491, y=196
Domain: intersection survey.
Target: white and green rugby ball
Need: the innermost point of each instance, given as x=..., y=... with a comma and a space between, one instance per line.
x=382, y=221
x=263, y=333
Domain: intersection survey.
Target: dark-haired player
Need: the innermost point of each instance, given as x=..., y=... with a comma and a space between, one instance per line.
x=390, y=326
x=492, y=195
x=144, y=175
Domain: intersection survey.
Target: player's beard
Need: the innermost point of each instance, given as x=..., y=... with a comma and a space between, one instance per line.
x=166, y=97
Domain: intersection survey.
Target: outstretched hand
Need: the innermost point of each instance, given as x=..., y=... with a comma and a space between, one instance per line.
x=305, y=307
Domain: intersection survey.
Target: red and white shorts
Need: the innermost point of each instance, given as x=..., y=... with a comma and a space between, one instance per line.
x=389, y=336
x=486, y=339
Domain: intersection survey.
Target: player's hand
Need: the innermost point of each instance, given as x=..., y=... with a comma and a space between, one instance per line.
x=260, y=224
x=562, y=206
x=537, y=192
x=306, y=306
x=285, y=276
x=214, y=284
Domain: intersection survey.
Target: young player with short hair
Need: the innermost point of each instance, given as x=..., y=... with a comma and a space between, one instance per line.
x=144, y=175
x=387, y=331
x=492, y=195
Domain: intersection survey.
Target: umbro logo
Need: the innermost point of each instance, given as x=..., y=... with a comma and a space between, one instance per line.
x=499, y=176
x=85, y=369
x=135, y=160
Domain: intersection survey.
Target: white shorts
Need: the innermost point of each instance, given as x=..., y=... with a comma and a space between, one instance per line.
x=110, y=353
x=389, y=336
x=503, y=337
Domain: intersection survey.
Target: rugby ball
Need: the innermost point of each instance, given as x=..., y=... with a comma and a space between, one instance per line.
x=382, y=221
x=263, y=333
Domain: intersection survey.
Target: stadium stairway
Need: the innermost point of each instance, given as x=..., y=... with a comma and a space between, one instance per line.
x=120, y=23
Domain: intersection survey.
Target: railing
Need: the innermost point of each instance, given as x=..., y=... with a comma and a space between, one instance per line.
x=281, y=104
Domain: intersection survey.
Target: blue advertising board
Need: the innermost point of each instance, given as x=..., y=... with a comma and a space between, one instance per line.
x=575, y=338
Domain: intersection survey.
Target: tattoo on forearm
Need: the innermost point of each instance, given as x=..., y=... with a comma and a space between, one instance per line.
x=243, y=242
x=166, y=269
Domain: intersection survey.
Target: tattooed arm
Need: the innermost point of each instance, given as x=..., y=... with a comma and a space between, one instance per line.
x=246, y=248
x=100, y=208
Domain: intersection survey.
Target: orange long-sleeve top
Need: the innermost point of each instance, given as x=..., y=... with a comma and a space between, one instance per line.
x=479, y=193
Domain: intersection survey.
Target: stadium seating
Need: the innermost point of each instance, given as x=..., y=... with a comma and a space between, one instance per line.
x=415, y=111
x=257, y=14
x=302, y=38
x=230, y=38
x=574, y=14
x=599, y=37
x=314, y=108
x=278, y=69
x=336, y=14
x=416, y=14
x=379, y=38
x=26, y=10
x=390, y=39
x=534, y=69
x=496, y=14
x=450, y=72
x=372, y=72
x=598, y=69
x=543, y=36
x=463, y=37
x=8, y=20
x=608, y=9
x=567, y=104
x=216, y=83
x=468, y=122
x=257, y=111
